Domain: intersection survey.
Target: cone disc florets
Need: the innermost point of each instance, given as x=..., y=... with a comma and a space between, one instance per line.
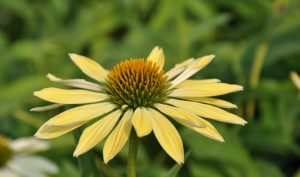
x=137, y=83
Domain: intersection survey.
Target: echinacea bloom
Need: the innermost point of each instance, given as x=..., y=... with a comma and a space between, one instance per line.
x=137, y=93
x=16, y=159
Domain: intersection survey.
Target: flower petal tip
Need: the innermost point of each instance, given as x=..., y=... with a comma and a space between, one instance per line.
x=180, y=162
x=51, y=77
x=38, y=93
x=211, y=56
x=73, y=56
x=37, y=135
x=241, y=88
x=32, y=109
x=203, y=61
x=244, y=122
x=76, y=154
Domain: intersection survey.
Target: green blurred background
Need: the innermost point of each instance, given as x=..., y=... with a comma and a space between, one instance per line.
x=257, y=44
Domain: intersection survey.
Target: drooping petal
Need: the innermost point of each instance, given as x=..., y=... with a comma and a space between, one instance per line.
x=71, y=119
x=212, y=101
x=191, y=121
x=205, y=90
x=95, y=133
x=157, y=56
x=28, y=145
x=118, y=137
x=179, y=68
x=180, y=115
x=167, y=136
x=193, y=68
x=46, y=108
x=79, y=83
x=67, y=96
x=141, y=122
x=209, y=130
x=47, y=131
x=207, y=111
x=89, y=67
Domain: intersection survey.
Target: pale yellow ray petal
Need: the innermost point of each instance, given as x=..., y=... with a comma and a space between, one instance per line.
x=141, y=122
x=46, y=108
x=193, y=68
x=204, y=127
x=47, y=131
x=71, y=119
x=205, y=90
x=157, y=56
x=95, y=133
x=180, y=115
x=167, y=136
x=178, y=68
x=79, y=83
x=89, y=67
x=295, y=78
x=209, y=131
x=80, y=114
x=191, y=121
x=67, y=96
x=188, y=83
x=118, y=137
x=207, y=111
x=212, y=101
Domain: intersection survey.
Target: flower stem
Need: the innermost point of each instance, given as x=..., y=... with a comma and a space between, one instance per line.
x=132, y=154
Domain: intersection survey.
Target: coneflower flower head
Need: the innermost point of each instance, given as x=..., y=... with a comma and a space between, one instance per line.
x=137, y=93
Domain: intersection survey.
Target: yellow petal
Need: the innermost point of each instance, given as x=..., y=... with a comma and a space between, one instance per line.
x=193, y=68
x=46, y=108
x=179, y=68
x=205, y=90
x=188, y=83
x=47, y=131
x=180, y=115
x=190, y=120
x=79, y=83
x=167, y=136
x=118, y=137
x=157, y=56
x=141, y=122
x=89, y=67
x=212, y=101
x=81, y=113
x=95, y=133
x=207, y=111
x=209, y=130
x=71, y=119
x=65, y=96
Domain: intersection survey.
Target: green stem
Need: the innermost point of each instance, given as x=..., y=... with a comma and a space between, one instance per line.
x=132, y=154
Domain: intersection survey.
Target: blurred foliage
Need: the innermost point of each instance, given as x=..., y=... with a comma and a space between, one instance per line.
x=257, y=44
